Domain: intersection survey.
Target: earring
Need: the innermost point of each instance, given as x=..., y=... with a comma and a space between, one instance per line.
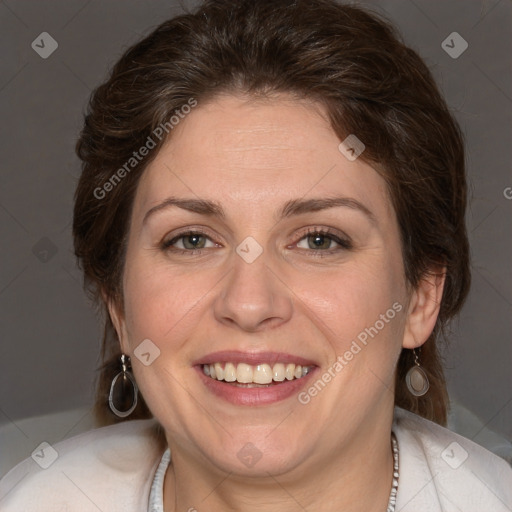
x=416, y=378
x=120, y=389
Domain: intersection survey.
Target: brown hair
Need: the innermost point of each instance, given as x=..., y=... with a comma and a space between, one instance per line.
x=348, y=59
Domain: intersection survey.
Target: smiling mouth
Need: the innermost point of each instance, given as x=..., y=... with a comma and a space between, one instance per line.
x=252, y=376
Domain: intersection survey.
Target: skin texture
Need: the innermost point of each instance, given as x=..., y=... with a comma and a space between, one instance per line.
x=252, y=156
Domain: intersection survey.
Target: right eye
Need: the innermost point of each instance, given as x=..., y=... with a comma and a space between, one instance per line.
x=188, y=242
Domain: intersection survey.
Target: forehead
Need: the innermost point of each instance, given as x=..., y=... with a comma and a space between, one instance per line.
x=259, y=152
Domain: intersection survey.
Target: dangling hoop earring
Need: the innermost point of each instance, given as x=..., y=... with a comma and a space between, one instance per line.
x=416, y=378
x=126, y=378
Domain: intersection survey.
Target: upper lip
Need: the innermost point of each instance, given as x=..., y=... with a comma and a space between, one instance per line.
x=253, y=358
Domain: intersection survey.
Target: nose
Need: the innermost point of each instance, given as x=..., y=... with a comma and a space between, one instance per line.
x=252, y=297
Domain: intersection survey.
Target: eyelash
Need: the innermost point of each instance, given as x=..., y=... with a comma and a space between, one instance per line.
x=344, y=243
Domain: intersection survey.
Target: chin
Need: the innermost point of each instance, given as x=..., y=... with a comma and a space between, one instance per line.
x=258, y=455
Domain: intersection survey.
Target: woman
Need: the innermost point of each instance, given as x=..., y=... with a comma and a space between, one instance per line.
x=271, y=212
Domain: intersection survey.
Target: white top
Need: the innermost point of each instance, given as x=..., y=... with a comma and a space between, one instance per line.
x=112, y=469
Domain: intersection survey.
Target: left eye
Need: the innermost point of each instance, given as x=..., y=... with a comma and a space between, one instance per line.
x=319, y=240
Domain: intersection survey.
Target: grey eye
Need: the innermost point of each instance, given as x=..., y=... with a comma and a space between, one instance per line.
x=317, y=241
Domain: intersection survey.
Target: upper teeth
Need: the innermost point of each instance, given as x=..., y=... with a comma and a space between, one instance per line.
x=259, y=374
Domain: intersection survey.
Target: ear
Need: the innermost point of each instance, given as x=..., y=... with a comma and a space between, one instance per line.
x=424, y=309
x=117, y=316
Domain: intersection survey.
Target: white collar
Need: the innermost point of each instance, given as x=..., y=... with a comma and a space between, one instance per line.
x=156, y=495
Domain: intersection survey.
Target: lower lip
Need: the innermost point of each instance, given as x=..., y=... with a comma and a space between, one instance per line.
x=254, y=396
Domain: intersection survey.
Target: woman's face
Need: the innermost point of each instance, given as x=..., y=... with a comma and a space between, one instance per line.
x=258, y=284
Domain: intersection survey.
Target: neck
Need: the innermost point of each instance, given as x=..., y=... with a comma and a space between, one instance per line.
x=357, y=477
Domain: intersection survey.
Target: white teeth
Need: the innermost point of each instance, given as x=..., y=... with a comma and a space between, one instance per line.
x=260, y=374
x=229, y=372
x=278, y=372
x=244, y=373
x=219, y=371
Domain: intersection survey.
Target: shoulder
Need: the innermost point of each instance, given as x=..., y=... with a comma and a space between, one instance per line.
x=441, y=470
x=109, y=468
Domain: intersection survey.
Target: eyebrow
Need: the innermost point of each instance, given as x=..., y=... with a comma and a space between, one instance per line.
x=290, y=208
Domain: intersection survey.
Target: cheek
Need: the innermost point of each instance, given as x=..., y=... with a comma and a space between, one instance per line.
x=359, y=311
x=161, y=303
x=348, y=301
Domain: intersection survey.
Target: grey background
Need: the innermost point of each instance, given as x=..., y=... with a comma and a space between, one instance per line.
x=49, y=333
